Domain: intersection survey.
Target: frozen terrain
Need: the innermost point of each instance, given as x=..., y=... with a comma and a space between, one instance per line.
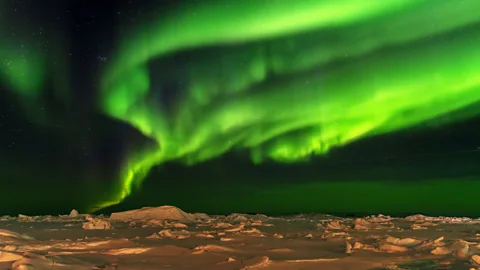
x=168, y=238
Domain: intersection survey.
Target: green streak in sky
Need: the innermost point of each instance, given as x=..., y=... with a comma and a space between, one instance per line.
x=31, y=56
x=23, y=64
x=291, y=79
x=21, y=68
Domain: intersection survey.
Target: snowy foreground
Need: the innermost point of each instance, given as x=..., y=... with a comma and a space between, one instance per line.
x=168, y=238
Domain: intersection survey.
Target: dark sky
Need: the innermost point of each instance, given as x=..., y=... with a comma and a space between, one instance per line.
x=62, y=148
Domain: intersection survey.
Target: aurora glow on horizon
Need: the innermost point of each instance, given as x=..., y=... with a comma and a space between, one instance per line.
x=289, y=80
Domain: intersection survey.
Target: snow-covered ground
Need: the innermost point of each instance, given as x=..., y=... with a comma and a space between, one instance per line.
x=168, y=238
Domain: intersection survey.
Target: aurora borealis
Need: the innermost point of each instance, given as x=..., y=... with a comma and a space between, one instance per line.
x=259, y=60
x=277, y=84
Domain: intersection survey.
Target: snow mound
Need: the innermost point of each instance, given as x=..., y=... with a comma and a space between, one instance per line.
x=166, y=212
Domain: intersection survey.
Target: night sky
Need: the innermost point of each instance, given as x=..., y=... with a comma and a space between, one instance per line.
x=348, y=107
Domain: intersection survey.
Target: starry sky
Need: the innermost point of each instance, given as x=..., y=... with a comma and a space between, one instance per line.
x=347, y=107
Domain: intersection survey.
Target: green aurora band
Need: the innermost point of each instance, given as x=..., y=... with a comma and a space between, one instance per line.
x=22, y=65
x=286, y=80
x=29, y=58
